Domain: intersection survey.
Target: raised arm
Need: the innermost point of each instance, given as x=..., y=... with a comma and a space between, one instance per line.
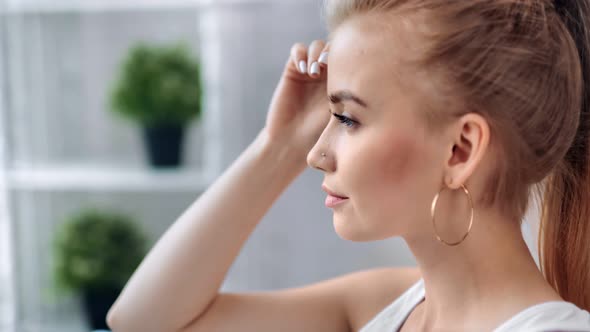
x=181, y=275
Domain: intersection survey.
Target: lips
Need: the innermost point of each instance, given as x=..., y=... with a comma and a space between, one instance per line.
x=332, y=193
x=332, y=201
x=334, y=198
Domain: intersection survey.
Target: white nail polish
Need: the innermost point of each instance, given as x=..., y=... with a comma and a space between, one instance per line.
x=324, y=58
x=303, y=66
x=315, y=68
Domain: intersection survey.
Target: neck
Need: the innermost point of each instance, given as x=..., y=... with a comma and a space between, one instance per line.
x=491, y=268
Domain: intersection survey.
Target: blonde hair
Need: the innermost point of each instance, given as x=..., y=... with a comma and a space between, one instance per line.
x=523, y=65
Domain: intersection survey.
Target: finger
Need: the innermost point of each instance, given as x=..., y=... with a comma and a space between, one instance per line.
x=323, y=59
x=313, y=53
x=299, y=56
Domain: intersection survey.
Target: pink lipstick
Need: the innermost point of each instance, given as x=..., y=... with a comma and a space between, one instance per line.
x=333, y=201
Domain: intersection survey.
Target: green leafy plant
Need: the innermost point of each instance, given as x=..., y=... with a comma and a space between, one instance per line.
x=97, y=250
x=158, y=85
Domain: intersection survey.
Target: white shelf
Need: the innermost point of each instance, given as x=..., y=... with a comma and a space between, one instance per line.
x=60, y=6
x=93, y=178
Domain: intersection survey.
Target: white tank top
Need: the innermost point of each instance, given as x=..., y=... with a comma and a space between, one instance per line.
x=546, y=316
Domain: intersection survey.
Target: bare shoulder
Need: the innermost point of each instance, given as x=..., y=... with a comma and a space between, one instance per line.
x=375, y=289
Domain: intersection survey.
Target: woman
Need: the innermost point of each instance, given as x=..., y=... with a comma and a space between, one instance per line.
x=446, y=116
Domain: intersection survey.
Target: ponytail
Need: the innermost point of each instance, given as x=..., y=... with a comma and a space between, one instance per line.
x=564, y=234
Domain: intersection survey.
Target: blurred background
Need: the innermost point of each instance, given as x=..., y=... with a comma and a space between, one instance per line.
x=117, y=115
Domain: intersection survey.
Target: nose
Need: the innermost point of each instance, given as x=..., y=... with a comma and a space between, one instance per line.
x=319, y=158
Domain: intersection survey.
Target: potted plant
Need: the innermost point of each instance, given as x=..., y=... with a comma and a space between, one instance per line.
x=95, y=254
x=159, y=88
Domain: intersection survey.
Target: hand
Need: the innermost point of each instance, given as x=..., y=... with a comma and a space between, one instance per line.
x=298, y=111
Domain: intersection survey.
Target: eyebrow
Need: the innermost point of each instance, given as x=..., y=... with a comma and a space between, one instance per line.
x=344, y=95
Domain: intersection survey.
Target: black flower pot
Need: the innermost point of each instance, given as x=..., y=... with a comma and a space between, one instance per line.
x=97, y=303
x=164, y=145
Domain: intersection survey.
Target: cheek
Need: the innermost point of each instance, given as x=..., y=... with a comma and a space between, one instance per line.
x=388, y=176
x=395, y=161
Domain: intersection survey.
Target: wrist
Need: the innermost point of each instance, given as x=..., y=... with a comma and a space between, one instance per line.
x=281, y=152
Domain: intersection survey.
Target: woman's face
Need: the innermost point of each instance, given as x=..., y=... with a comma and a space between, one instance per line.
x=383, y=160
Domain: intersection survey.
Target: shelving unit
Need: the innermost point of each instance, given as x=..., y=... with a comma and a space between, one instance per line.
x=54, y=158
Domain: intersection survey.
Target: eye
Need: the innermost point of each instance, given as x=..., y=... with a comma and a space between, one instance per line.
x=345, y=120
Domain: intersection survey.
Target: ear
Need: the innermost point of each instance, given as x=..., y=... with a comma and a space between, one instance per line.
x=470, y=138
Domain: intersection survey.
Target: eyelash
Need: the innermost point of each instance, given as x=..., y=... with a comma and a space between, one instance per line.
x=345, y=120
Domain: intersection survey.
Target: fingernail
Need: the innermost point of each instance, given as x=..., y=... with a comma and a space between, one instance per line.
x=303, y=66
x=324, y=58
x=315, y=68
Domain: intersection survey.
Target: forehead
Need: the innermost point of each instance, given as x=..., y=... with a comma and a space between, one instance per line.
x=366, y=56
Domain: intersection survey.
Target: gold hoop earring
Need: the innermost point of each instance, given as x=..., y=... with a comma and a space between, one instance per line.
x=433, y=207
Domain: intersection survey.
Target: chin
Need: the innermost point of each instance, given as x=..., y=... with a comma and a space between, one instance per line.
x=356, y=231
x=351, y=231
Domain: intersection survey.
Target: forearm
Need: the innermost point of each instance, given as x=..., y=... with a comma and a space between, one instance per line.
x=182, y=273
